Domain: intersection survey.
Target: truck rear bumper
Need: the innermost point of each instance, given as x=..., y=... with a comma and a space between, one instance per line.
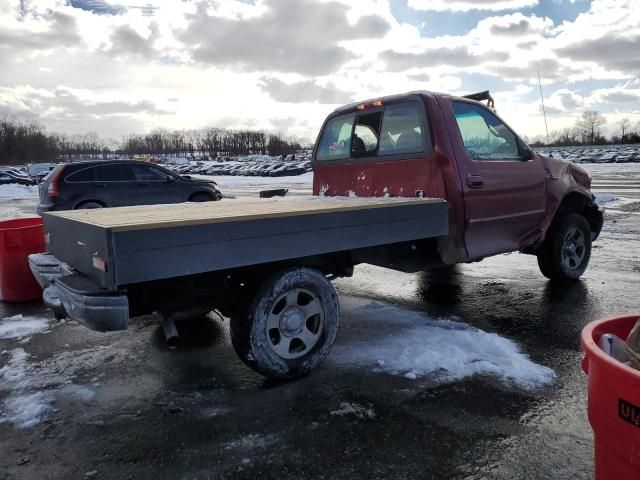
x=74, y=296
x=98, y=310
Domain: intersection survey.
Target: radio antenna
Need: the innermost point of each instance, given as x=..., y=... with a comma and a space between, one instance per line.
x=544, y=113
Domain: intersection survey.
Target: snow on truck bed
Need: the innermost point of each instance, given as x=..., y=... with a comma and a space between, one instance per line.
x=184, y=214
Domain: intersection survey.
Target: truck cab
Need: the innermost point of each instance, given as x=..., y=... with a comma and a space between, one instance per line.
x=503, y=196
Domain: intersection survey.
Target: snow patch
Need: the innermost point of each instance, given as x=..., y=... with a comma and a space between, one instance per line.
x=224, y=181
x=251, y=442
x=443, y=350
x=26, y=410
x=19, y=326
x=23, y=408
x=603, y=198
x=50, y=378
x=18, y=191
x=355, y=409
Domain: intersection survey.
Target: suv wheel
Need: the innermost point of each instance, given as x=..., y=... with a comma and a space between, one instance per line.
x=88, y=205
x=201, y=197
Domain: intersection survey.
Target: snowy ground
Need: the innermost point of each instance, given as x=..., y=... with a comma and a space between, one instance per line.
x=468, y=374
x=18, y=191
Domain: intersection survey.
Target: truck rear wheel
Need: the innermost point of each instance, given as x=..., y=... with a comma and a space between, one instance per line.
x=566, y=252
x=290, y=326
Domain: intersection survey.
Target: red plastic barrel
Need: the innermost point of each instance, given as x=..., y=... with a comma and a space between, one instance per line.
x=614, y=402
x=18, y=239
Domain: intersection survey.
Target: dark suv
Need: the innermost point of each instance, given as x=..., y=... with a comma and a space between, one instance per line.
x=119, y=183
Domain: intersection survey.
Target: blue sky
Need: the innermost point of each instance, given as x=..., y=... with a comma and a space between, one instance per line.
x=116, y=67
x=433, y=24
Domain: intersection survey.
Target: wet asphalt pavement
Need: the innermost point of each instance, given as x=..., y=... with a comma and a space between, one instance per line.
x=124, y=405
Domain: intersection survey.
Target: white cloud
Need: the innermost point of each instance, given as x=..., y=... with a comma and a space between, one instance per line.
x=262, y=64
x=467, y=5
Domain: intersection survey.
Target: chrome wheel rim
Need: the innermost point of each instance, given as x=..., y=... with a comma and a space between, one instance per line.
x=295, y=323
x=573, y=248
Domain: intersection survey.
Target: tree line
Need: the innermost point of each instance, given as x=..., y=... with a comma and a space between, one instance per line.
x=28, y=142
x=212, y=142
x=588, y=130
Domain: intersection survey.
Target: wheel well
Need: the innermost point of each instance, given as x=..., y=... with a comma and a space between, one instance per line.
x=578, y=203
x=79, y=204
x=208, y=194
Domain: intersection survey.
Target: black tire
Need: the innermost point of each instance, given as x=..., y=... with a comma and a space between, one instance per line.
x=89, y=205
x=304, y=306
x=565, y=254
x=201, y=197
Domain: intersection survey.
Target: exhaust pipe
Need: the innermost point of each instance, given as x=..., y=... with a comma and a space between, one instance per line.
x=169, y=321
x=170, y=331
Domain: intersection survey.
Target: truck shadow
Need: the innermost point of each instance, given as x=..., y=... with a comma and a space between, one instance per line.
x=555, y=313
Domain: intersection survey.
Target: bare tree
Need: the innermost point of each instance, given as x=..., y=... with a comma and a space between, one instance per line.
x=625, y=125
x=589, y=126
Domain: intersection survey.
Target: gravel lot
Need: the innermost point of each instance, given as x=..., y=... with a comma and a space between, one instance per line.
x=79, y=404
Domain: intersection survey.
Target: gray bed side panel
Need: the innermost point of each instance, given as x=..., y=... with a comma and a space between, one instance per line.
x=145, y=255
x=77, y=243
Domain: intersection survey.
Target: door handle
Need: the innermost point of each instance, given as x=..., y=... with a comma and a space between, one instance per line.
x=475, y=181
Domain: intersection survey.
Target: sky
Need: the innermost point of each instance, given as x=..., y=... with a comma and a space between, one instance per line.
x=129, y=66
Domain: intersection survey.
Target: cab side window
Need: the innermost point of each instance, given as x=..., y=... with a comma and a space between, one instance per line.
x=484, y=135
x=335, y=142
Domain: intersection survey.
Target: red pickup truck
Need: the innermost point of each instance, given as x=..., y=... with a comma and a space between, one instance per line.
x=503, y=196
x=461, y=186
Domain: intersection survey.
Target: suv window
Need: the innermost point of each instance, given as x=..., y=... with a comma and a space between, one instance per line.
x=402, y=130
x=147, y=173
x=87, y=174
x=335, y=142
x=484, y=135
x=114, y=172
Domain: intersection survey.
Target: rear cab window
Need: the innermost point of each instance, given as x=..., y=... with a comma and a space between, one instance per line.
x=397, y=129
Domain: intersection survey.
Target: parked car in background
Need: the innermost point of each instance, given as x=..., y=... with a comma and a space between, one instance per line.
x=10, y=175
x=119, y=183
x=17, y=171
x=38, y=171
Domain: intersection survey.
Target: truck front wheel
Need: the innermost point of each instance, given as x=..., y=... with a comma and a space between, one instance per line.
x=566, y=252
x=290, y=326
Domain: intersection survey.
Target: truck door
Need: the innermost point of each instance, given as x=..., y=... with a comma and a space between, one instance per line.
x=503, y=182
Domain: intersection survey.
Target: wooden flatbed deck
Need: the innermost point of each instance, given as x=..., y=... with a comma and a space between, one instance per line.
x=122, y=246
x=186, y=214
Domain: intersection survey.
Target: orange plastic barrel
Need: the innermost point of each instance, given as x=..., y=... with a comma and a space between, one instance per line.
x=614, y=402
x=18, y=239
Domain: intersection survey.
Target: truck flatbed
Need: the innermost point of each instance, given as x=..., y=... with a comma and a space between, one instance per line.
x=121, y=246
